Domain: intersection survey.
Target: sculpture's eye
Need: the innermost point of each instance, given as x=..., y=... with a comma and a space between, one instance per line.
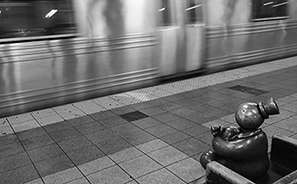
x=243, y=110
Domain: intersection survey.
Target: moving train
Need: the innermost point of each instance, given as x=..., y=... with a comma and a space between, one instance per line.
x=54, y=52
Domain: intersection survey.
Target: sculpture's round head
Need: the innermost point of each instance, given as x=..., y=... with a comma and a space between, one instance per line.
x=248, y=116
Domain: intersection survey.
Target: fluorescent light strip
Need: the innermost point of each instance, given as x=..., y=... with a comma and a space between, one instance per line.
x=193, y=7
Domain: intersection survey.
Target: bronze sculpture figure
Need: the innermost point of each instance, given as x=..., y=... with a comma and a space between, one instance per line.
x=243, y=149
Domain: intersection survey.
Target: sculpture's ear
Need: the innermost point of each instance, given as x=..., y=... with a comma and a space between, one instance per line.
x=215, y=130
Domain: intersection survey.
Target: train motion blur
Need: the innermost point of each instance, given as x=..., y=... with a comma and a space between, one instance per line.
x=54, y=52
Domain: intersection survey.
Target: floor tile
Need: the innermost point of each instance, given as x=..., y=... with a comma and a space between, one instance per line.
x=167, y=155
x=122, y=110
x=107, y=102
x=183, y=112
x=113, y=122
x=288, y=124
x=231, y=108
x=141, y=95
x=158, y=102
x=81, y=121
x=199, y=118
x=79, y=181
x=57, y=126
x=187, y=169
x=124, y=129
x=229, y=118
x=25, y=126
x=96, y=165
x=45, y=152
x=146, y=123
x=143, y=105
x=90, y=127
x=37, y=181
x=63, y=176
x=189, y=103
x=202, y=107
x=166, y=117
x=53, y=165
x=85, y=154
x=169, y=107
x=217, y=113
x=294, y=136
x=175, y=137
x=19, y=175
x=44, y=113
x=112, y=174
x=196, y=130
x=151, y=146
x=271, y=120
x=48, y=120
x=89, y=107
x=21, y=118
x=126, y=154
x=287, y=99
x=74, y=143
x=160, y=176
x=100, y=136
x=214, y=102
x=291, y=107
x=132, y=182
x=140, y=166
x=14, y=161
x=68, y=111
x=102, y=115
x=191, y=146
x=181, y=124
x=113, y=145
x=206, y=137
x=138, y=137
x=8, y=139
x=31, y=133
x=285, y=113
x=5, y=128
x=64, y=134
x=174, y=98
x=10, y=149
x=151, y=111
x=161, y=130
x=37, y=142
x=273, y=130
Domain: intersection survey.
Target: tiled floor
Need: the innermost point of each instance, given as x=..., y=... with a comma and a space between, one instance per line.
x=151, y=135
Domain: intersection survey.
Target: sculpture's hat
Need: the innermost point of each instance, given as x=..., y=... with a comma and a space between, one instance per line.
x=268, y=108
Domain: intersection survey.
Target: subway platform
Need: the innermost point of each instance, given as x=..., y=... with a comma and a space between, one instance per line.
x=153, y=135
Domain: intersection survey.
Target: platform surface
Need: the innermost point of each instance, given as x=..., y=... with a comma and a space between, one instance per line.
x=152, y=135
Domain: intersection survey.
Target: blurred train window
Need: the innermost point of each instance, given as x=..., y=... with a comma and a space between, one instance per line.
x=269, y=9
x=164, y=13
x=27, y=18
x=194, y=11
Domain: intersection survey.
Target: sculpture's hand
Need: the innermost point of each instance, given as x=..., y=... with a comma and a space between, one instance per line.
x=227, y=133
